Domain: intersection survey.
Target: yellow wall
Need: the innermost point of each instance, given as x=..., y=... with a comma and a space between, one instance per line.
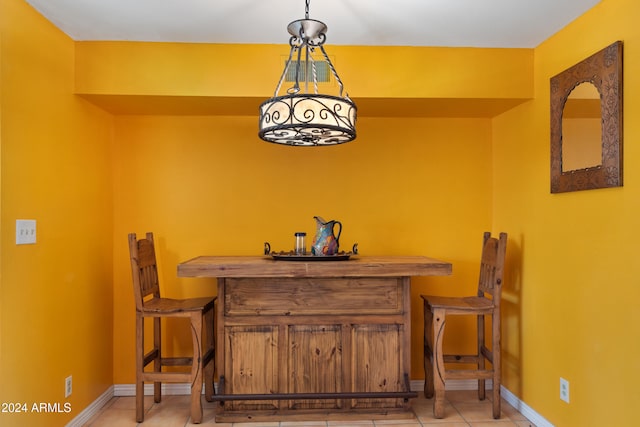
x=573, y=294
x=201, y=70
x=211, y=79
x=204, y=183
x=208, y=185
x=55, y=296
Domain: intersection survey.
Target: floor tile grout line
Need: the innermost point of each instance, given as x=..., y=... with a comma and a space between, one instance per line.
x=417, y=421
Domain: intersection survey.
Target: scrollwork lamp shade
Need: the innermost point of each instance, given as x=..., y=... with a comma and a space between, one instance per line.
x=304, y=118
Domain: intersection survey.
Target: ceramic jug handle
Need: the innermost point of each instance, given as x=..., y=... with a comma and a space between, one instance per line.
x=339, y=231
x=267, y=248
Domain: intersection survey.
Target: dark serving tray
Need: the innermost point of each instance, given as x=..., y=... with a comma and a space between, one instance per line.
x=291, y=256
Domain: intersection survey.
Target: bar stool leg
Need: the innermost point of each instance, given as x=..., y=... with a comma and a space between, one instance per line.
x=428, y=352
x=209, y=390
x=196, y=369
x=438, y=362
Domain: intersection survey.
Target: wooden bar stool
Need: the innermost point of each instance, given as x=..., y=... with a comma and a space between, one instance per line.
x=200, y=312
x=486, y=302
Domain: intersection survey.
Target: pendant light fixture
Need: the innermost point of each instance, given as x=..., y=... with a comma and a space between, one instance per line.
x=301, y=117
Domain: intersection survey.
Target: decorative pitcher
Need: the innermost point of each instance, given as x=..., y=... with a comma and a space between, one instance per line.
x=325, y=241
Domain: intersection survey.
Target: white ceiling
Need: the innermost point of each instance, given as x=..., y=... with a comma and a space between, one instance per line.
x=453, y=23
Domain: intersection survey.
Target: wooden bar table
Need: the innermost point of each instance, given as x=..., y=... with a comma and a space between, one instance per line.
x=313, y=340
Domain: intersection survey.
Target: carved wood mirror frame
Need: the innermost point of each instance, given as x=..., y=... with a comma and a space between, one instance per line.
x=604, y=70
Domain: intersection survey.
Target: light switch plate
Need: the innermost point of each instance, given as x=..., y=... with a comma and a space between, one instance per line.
x=25, y=231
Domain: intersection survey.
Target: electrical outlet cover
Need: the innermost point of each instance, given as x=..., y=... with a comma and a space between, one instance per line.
x=564, y=390
x=68, y=386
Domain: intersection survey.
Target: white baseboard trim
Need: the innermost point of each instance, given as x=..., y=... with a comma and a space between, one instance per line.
x=526, y=410
x=125, y=390
x=167, y=388
x=118, y=390
x=513, y=400
x=418, y=385
x=93, y=408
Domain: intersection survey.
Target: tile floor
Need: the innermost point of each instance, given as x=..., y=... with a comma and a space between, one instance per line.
x=463, y=410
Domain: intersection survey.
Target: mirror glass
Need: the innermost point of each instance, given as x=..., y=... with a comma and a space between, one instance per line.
x=582, y=128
